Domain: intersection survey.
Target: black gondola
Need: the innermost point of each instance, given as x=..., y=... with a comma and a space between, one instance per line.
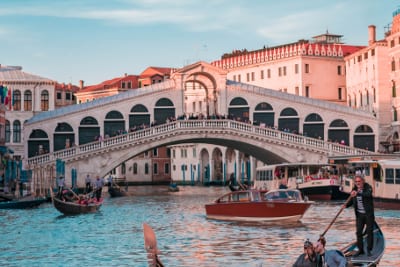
x=365, y=260
x=117, y=191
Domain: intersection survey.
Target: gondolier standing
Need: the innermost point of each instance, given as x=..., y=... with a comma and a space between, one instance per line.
x=88, y=183
x=60, y=184
x=99, y=187
x=362, y=201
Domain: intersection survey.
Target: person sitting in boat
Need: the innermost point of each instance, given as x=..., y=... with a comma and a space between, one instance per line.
x=283, y=184
x=308, y=258
x=82, y=200
x=328, y=258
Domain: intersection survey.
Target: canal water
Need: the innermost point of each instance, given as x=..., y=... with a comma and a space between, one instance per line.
x=114, y=236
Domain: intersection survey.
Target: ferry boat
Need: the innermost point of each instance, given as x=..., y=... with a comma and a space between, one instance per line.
x=381, y=172
x=317, y=181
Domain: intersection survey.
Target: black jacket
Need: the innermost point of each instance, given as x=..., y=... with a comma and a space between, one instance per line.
x=367, y=200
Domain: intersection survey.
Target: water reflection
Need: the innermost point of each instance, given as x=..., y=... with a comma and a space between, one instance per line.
x=114, y=237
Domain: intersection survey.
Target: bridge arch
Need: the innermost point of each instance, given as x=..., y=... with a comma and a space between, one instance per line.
x=339, y=132
x=289, y=120
x=364, y=137
x=63, y=136
x=89, y=130
x=164, y=110
x=38, y=143
x=139, y=116
x=114, y=124
x=239, y=109
x=264, y=114
x=314, y=126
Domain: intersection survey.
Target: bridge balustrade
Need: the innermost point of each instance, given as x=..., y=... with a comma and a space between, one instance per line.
x=271, y=135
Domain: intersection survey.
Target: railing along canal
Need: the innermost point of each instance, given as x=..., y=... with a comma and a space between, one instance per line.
x=270, y=135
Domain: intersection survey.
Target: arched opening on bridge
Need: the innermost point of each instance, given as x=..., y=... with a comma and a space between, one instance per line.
x=89, y=130
x=314, y=126
x=164, y=110
x=230, y=158
x=139, y=117
x=195, y=96
x=38, y=143
x=217, y=171
x=289, y=121
x=364, y=138
x=114, y=124
x=63, y=136
x=339, y=132
x=205, y=173
x=264, y=115
x=239, y=109
x=396, y=142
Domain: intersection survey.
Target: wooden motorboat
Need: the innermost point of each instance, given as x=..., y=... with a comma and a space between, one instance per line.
x=117, y=191
x=150, y=244
x=259, y=206
x=23, y=203
x=173, y=187
x=364, y=259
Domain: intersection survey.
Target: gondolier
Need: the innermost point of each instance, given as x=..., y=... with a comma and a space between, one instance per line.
x=362, y=202
x=99, y=187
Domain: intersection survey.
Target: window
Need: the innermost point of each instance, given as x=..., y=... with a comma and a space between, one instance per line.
x=262, y=75
x=8, y=131
x=284, y=71
x=194, y=153
x=68, y=96
x=252, y=76
x=307, y=68
x=279, y=71
x=366, y=55
x=173, y=153
x=296, y=68
x=393, y=65
x=307, y=93
x=155, y=152
x=269, y=73
x=339, y=70
x=248, y=77
x=372, y=52
x=166, y=168
x=155, y=168
x=28, y=101
x=239, y=78
x=135, y=168
x=17, y=132
x=234, y=78
x=389, y=176
x=296, y=90
x=393, y=89
x=340, y=93
x=59, y=95
x=44, y=100
x=146, y=168
x=17, y=100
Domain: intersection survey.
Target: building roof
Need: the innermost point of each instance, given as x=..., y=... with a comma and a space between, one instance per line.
x=15, y=74
x=151, y=71
x=66, y=87
x=113, y=83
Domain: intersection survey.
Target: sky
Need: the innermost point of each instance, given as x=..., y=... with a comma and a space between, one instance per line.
x=97, y=40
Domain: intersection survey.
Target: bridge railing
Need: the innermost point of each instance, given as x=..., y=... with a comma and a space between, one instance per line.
x=179, y=125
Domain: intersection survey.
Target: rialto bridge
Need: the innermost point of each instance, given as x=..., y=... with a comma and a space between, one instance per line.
x=197, y=105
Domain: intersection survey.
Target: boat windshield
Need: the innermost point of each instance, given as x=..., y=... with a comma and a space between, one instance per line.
x=283, y=195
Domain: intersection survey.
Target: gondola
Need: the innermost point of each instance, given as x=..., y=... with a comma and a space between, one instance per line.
x=117, y=191
x=150, y=244
x=23, y=203
x=75, y=206
x=365, y=260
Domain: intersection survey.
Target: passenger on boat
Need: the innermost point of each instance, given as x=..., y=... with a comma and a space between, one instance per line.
x=328, y=258
x=283, y=184
x=88, y=183
x=308, y=258
x=363, y=204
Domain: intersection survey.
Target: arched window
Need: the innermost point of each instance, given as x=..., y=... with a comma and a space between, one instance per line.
x=44, y=100
x=28, y=100
x=17, y=100
x=17, y=131
x=8, y=131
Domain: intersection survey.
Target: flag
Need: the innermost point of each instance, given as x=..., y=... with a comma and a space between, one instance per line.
x=1, y=94
x=9, y=99
x=4, y=94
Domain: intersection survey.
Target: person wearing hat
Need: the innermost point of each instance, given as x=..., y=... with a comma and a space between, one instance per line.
x=308, y=258
x=328, y=258
x=362, y=201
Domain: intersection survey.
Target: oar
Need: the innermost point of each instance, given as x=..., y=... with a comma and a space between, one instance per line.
x=337, y=215
x=150, y=244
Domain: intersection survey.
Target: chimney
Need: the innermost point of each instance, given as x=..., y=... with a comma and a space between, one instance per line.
x=81, y=82
x=371, y=34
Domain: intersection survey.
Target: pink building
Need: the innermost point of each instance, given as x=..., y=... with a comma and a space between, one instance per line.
x=296, y=68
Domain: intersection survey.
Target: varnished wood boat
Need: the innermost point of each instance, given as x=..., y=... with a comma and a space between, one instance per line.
x=74, y=208
x=365, y=260
x=117, y=191
x=259, y=206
